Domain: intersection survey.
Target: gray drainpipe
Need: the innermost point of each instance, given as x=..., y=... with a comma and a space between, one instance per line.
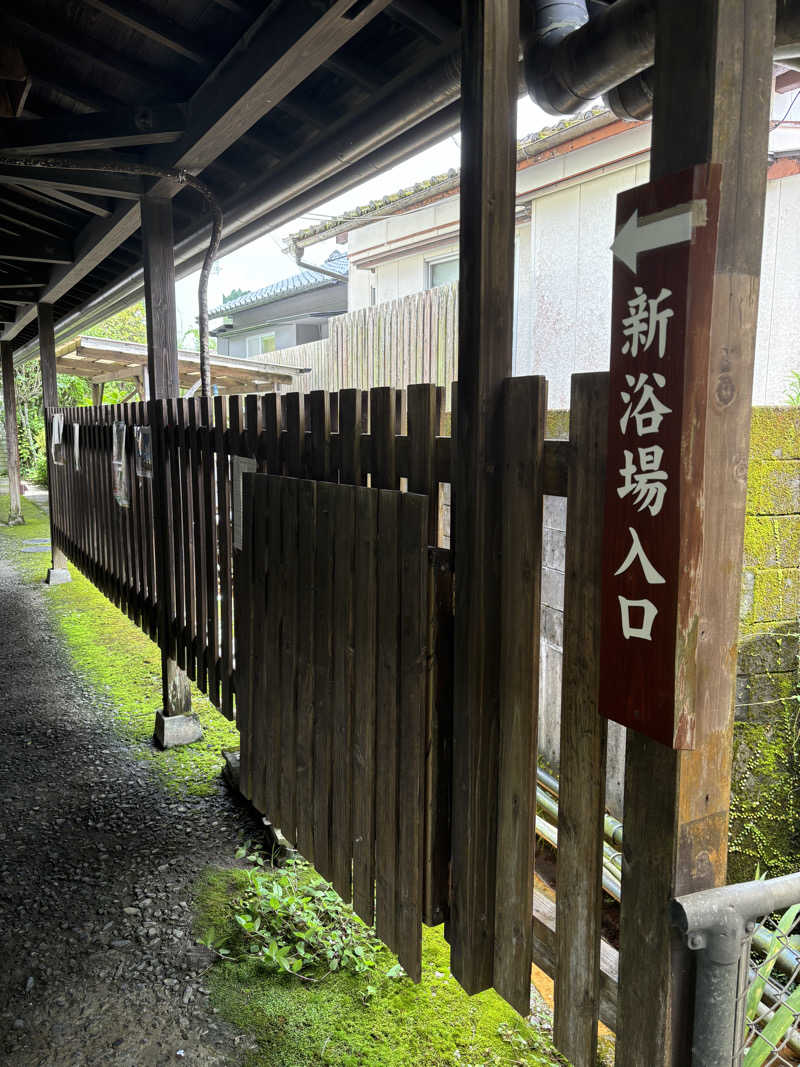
x=553, y=21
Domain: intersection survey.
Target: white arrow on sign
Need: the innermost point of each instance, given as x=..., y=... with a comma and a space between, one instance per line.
x=670, y=227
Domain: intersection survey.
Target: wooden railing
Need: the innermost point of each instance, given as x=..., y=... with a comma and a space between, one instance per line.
x=296, y=614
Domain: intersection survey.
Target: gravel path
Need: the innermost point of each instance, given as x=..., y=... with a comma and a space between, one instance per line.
x=97, y=868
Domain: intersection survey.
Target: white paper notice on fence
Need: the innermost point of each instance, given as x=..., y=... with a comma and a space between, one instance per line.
x=119, y=467
x=241, y=465
x=56, y=438
x=76, y=448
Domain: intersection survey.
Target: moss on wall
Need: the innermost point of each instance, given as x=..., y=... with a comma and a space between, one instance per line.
x=765, y=809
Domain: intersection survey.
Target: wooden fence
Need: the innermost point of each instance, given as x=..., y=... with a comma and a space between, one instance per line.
x=329, y=635
x=411, y=339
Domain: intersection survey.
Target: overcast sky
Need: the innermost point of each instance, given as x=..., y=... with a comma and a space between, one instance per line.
x=263, y=261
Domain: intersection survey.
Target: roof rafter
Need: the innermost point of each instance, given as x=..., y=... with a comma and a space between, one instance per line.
x=237, y=95
x=92, y=182
x=155, y=27
x=123, y=127
x=47, y=250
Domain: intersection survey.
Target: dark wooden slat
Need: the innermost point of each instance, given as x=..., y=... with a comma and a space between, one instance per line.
x=320, y=435
x=177, y=518
x=199, y=537
x=210, y=546
x=154, y=27
x=95, y=183
x=424, y=419
x=343, y=683
x=490, y=49
x=556, y=467
x=384, y=463
x=271, y=696
x=288, y=706
x=306, y=615
x=295, y=433
x=270, y=451
x=323, y=674
x=581, y=805
x=524, y=410
x=187, y=498
x=243, y=609
x=258, y=667
x=364, y=705
x=350, y=436
x=387, y=798
x=413, y=684
x=225, y=550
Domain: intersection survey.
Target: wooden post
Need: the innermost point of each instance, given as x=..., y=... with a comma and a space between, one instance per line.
x=97, y=393
x=47, y=362
x=712, y=97
x=12, y=443
x=488, y=128
x=162, y=369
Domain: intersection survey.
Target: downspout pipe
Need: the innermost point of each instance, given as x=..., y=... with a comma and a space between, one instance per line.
x=554, y=20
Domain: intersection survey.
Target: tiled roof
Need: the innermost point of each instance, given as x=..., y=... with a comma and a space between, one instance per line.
x=306, y=279
x=527, y=148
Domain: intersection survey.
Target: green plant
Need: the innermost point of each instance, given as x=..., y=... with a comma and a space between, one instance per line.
x=294, y=921
x=784, y=1018
x=793, y=392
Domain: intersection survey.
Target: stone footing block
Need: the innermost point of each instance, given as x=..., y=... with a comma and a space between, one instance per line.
x=230, y=771
x=57, y=576
x=174, y=730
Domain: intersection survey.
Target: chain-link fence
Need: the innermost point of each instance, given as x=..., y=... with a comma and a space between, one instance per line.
x=770, y=999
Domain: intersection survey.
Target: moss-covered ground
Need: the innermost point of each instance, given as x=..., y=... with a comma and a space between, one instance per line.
x=348, y=1020
x=345, y=1020
x=121, y=663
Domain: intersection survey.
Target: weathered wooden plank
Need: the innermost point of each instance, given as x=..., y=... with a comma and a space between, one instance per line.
x=424, y=420
x=306, y=615
x=187, y=502
x=295, y=433
x=524, y=410
x=387, y=799
x=270, y=451
x=243, y=608
x=320, y=435
x=199, y=537
x=364, y=705
x=582, y=774
x=258, y=705
x=545, y=951
x=490, y=48
x=343, y=683
x=288, y=690
x=323, y=674
x=350, y=436
x=271, y=638
x=177, y=519
x=225, y=550
x=210, y=512
x=384, y=465
x=412, y=715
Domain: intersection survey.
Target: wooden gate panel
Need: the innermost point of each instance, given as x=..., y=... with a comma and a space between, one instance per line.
x=323, y=674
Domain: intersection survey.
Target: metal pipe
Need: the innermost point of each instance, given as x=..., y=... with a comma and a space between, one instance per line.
x=612, y=48
x=611, y=826
x=632, y=100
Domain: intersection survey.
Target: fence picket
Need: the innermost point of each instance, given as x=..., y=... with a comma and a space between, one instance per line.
x=306, y=614
x=287, y=709
x=323, y=674
x=343, y=680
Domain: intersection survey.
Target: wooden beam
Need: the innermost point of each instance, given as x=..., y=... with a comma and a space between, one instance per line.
x=79, y=203
x=713, y=82
x=154, y=27
x=245, y=87
x=159, y=300
x=162, y=373
x=19, y=297
x=490, y=46
x=12, y=441
x=47, y=362
x=122, y=128
x=124, y=186
x=45, y=250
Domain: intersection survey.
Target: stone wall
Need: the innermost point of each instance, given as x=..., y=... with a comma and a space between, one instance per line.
x=766, y=804
x=765, y=816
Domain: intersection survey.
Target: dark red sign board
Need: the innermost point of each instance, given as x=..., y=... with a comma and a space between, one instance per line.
x=664, y=255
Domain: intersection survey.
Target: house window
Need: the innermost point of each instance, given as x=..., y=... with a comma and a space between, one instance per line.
x=260, y=344
x=442, y=272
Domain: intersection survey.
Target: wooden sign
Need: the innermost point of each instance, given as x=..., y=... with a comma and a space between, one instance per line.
x=664, y=253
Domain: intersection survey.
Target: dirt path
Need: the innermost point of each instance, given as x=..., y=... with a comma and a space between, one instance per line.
x=97, y=867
